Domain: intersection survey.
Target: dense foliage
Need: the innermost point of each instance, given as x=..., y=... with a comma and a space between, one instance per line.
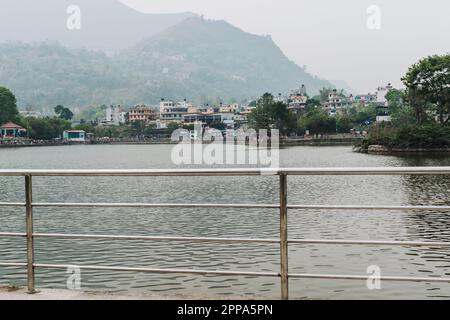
x=45, y=128
x=8, y=108
x=421, y=113
x=429, y=136
x=428, y=88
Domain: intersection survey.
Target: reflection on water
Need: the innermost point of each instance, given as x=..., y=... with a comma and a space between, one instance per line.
x=325, y=224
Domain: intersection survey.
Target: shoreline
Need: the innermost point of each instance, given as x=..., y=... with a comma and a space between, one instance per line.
x=383, y=150
x=283, y=143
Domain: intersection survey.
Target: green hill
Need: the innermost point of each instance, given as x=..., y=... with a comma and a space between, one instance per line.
x=196, y=59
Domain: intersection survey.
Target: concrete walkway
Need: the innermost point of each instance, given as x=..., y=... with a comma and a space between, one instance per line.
x=60, y=294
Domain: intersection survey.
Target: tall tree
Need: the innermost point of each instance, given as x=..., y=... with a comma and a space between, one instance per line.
x=63, y=112
x=428, y=87
x=270, y=114
x=8, y=107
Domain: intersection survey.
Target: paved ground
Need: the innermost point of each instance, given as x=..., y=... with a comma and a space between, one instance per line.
x=59, y=294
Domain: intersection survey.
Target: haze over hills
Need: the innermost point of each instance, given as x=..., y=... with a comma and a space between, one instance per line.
x=105, y=25
x=200, y=60
x=212, y=59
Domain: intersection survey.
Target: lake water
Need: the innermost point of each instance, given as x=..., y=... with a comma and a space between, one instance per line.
x=258, y=223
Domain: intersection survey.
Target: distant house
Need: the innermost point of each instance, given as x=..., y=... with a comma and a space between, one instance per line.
x=114, y=116
x=363, y=99
x=298, y=99
x=141, y=113
x=30, y=114
x=12, y=130
x=336, y=102
x=74, y=135
x=174, y=111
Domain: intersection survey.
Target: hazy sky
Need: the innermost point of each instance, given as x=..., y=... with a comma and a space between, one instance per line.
x=331, y=37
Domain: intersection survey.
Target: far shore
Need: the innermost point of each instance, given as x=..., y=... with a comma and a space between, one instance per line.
x=383, y=150
x=285, y=142
x=316, y=142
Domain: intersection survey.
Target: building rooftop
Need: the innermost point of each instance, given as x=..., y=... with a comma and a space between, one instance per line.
x=11, y=125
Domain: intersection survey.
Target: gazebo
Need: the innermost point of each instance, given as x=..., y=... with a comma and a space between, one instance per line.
x=11, y=130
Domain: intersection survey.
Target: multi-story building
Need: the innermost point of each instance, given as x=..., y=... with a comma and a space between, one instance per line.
x=204, y=118
x=141, y=113
x=336, y=102
x=297, y=99
x=114, y=116
x=232, y=108
x=383, y=114
x=362, y=99
x=170, y=111
x=381, y=94
x=30, y=114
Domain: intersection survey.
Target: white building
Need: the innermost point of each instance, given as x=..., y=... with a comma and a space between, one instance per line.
x=171, y=111
x=30, y=114
x=114, y=116
x=336, y=103
x=382, y=92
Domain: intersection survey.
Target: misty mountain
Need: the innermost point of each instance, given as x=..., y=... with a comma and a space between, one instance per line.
x=105, y=25
x=214, y=59
x=203, y=61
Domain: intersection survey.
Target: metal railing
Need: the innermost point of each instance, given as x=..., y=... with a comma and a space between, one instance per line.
x=283, y=208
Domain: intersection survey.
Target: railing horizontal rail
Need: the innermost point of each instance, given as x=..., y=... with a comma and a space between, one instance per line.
x=351, y=277
x=223, y=205
x=233, y=172
x=13, y=264
x=372, y=242
x=152, y=238
x=156, y=205
x=240, y=273
x=241, y=240
x=358, y=207
x=139, y=172
x=156, y=270
x=368, y=171
x=12, y=204
x=12, y=234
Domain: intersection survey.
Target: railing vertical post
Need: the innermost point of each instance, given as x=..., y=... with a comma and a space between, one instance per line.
x=29, y=226
x=284, y=238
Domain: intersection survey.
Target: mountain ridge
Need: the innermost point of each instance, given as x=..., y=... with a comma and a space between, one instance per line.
x=107, y=25
x=201, y=60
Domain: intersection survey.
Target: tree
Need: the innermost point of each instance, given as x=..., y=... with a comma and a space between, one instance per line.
x=270, y=114
x=47, y=128
x=312, y=103
x=428, y=88
x=138, y=127
x=172, y=126
x=343, y=123
x=317, y=121
x=63, y=113
x=395, y=100
x=8, y=107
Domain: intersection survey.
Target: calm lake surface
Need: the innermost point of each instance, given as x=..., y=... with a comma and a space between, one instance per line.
x=325, y=224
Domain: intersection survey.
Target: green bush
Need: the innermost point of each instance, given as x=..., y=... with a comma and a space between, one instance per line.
x=428, y=136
